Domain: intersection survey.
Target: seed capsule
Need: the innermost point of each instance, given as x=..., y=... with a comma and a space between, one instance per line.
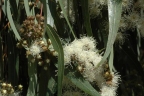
x=9, y=85
x=21, y=30
x=20, y=87
x=11, y=91
x=40, y=63
x=25, y=42
x=47, y=61
x=3, y=84
x=80, y=68
x=4, y=92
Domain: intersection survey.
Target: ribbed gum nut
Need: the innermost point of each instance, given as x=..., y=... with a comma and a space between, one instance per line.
x=80, y=68
x=47, y=61
x=9, y=85
x=3, y=84
x=4, y=92
x=41, y=23
x=40, y=63
x=20, y=87
x=25, y=42
x=21, y=30
x=38, y=16
x=28, y=22
x=38, y=31
x=44, y=48
x=41, y=18
x=11, y=91
x=32, y=18
x=54, y=53
x=30, y=3
x=32, y=22
x=28, y=52
x=106, y=66
x=18, y=45
x=28, y=18
x=38, y=56
x=42, y=42
x=49, y=42
x=106, y=75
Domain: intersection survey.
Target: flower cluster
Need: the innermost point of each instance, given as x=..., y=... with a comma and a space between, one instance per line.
x=32, y=31
x=83, y=52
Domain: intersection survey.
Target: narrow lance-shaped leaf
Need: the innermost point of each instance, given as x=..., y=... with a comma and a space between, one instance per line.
x=53, y=18
x=1, y=60
x=14, y=8
x=114, y=13
x=58, y=47
x=17, y=3
x=45, y=13
x=32, y=72
x=9, y=15
x=27, y=8
x=50, y=19
x=86, y=17
x=82, y=84
x=111, y=60
x=65, y=15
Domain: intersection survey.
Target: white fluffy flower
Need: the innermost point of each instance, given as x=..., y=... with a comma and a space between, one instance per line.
x=36, y=47
x=84, y=52
x=83, y=49
x=115, y=79
x=108, y=91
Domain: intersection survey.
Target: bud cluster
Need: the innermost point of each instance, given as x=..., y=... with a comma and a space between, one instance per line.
x=7, y=89
x=31, y=30
x=32, y=39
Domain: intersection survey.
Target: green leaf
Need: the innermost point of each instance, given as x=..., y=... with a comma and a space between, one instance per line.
x=65, y=15
x=114, y=13
x=4, y=7
x=50, y=19
x=9, y=15
x=43, y=81
x=52, y=85
x=82, y=84
x=14, y=8
x=1, y=61
x=27, y=8
x=111, y=60
x=55, y=17
x=86, y=17
x=32, y=72
x=17, y=2
x=58, y=47
x=45, y=13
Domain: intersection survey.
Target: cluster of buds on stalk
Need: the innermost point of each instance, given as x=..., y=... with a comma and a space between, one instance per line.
x=32, y=32
x=7, y=89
